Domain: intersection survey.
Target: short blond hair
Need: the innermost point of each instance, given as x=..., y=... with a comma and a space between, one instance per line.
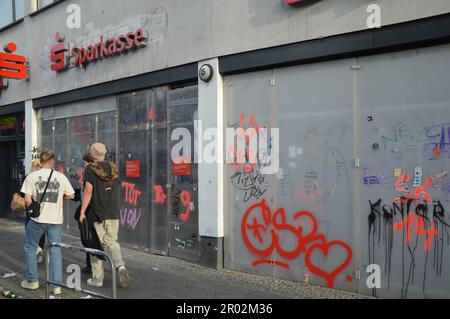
x=36, y=164
x=46, y=156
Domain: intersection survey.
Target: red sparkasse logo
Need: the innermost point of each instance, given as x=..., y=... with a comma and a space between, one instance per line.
x=12, y=66
x=62, y=57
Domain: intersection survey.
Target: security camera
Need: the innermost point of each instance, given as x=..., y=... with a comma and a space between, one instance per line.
x=206, y=73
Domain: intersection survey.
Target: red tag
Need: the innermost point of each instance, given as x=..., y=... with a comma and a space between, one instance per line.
x=133, y=169
x=182, y=169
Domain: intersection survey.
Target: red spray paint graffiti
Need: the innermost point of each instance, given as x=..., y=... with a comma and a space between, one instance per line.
x=401, y=186
x=186, y=201
x=241, y=155
x=420, y=230
x=240, y=158
x=262, y=231
x=325, y=249
x=160, y=195
x=420, y=191
x=131, y=193
x=152, y=114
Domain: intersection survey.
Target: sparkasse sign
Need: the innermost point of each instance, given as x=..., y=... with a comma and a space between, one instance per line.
x=12, y=66
x=62, y=57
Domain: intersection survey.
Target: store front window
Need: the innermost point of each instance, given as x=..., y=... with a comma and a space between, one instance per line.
x=12, y=150
x=70, y=138
x=11, y=11
x=8, y=125
x=158, y=204
x=43, y=3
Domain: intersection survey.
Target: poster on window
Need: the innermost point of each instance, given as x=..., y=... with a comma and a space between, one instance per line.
x=133, y=169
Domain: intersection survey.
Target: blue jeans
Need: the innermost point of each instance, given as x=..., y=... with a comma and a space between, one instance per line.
x=34, y=231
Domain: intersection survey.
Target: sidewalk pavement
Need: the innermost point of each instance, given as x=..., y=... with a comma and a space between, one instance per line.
x=155, y=277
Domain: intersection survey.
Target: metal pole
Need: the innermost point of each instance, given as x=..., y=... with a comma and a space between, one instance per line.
x=85, y=250
x=47, y=272
x=113, y=274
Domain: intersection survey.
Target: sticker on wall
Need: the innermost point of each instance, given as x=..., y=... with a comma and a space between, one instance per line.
x=371, y=180
x=397, y=172
x=183, y=169
x=418, y=173
x=294, y=152
x=133, y=169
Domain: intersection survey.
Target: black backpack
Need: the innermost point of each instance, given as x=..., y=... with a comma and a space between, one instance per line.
x=89, y=237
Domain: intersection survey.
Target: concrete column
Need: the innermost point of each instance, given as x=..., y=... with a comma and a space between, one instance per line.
x=211, y=174
x=30, y=134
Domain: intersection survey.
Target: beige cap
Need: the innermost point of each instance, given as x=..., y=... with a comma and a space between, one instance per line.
x=98, y=152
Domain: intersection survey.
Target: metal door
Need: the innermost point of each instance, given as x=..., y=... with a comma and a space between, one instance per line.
x=283, y=225
x=133, y=158
x=183, y=178
x=159, y=236
x=79, y=134
x=405, y=153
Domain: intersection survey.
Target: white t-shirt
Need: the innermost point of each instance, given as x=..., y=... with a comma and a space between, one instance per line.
x=52, y=204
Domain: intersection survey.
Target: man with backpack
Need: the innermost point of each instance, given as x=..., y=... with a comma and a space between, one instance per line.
x=101, y=195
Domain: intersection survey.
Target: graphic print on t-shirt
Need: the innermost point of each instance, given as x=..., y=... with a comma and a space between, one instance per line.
x=51, y=196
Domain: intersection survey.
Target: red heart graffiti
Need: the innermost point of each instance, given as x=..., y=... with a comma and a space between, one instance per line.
x=325, y=248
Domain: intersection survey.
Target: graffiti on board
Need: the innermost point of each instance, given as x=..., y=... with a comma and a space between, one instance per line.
x=263, y=232
x=419, y=220
x=437, y=142
x=130, y=213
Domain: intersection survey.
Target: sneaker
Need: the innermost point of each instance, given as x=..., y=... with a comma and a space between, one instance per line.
x=29, y=285
x=94, y=283
x=124, y=278
x=57, y=291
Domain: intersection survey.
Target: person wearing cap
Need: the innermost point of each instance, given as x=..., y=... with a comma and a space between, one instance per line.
x=101, y=195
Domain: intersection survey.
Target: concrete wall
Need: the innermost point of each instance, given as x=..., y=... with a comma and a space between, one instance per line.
x=181, y=32
x=353, y=134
